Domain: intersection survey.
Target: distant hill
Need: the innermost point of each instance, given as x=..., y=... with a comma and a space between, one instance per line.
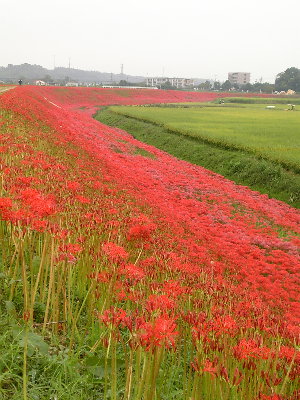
x=32, y=72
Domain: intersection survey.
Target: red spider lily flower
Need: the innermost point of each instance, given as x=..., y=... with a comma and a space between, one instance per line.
x=71, y=248
x=69, y=251
x=103, y=277
x=73, y=185
x=159, y=302
x=114, y=252
x=133, y=272
x=83, y=200
x=271, y=397
x=39, y=225
x=5, y=203
x=114, y=317
x=38, y=203
x=210, y=367
x=26, y=181
x=160, y=332
x=174, y=288
x=250, y=349
x=141, y=232
x=289, y=353
x=224, y=325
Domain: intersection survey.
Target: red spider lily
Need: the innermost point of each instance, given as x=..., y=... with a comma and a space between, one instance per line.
x=69, y=251
x=132, y=272
x=113, y=316
x=206, y=250
x=160, y=302
x=114, y=252
x=271, y=397
x=210, y=367
x=161, y=331
x=73, y=185
x=5, y=203
x=39, y=225
x=82, y=199
x=250, y=349
x=142, y=232
x=174, y=289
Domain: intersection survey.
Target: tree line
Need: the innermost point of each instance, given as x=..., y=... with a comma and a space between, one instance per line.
x=287, y=80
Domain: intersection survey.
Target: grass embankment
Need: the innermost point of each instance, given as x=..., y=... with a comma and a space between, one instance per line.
x=242, y=166
x=263, y=100
x=5, y=88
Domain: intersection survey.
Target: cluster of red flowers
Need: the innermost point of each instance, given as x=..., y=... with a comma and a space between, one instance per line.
x=179, y=248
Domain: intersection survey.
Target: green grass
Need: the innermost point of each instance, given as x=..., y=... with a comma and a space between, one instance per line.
x=243, y=167
x=271, y=134
x=263, y=100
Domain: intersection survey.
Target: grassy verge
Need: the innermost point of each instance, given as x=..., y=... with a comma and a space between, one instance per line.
x=262, y=100
x=5, y=88
x=246, y=169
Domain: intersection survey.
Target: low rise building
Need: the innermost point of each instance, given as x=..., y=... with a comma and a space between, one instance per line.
x=40, y=83
x=239, y=78
x=176, y=82
x=72, y=84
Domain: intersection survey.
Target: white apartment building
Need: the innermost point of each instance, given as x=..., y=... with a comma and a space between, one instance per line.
x=239, y=78
x=177, y=82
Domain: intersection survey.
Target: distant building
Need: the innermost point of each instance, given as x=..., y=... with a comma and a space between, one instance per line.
x=127, y=87
x=40, y=83
x=239, y=78
x=72, y=84
x=176, y=82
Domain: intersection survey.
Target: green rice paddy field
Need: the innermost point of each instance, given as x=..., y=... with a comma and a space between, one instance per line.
x=245, y=142
x=270, y=133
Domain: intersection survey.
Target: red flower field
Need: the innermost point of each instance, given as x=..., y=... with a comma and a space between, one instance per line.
x=185, y=271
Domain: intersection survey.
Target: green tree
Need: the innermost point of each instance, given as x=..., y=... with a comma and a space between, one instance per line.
x=289, y=79
x=226, y=85
x=247, y=87
x=268, y=87
x=205, y=85
x=217, y=85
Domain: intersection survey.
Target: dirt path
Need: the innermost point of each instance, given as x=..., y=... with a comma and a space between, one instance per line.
x=5, y=88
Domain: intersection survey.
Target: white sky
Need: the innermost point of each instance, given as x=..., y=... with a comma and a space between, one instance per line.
x=190, y=38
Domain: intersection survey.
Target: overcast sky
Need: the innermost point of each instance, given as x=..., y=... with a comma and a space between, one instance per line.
x=188, y=38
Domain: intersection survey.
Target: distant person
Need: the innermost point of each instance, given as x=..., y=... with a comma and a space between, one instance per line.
x=20, y=82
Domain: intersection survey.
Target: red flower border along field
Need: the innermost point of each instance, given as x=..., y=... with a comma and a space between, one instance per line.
x=179, y=283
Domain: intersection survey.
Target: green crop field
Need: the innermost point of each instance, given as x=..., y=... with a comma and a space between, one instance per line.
x=273, y=134
x=263, y=100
